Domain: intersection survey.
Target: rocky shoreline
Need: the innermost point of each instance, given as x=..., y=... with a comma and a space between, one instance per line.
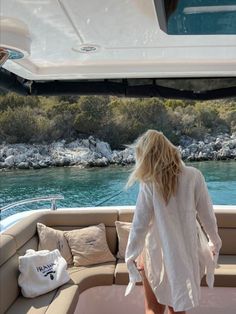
x=92, y=152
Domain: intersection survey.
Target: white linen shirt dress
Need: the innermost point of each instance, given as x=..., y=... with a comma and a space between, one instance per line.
x=167, y=236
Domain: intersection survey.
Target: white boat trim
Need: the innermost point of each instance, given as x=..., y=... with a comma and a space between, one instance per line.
x=127, y=35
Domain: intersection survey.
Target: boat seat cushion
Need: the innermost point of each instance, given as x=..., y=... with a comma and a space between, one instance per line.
x=121, y=274
x=91, y=276
x=225, y=274
x=65, y=300
x=9, y=289
x=37, y=305
x=66, y=297
x=8, y=248
x=61, y=300
x=228, y=236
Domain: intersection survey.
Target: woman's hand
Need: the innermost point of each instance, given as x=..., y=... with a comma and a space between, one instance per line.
x=139, y=267
x=212, y=247
x=139, y=264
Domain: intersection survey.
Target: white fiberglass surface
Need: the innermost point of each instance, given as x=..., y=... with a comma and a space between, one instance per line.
x=129, y=40
x=111, y=299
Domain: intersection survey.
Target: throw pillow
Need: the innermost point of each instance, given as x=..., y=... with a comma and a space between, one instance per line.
x=122, y=229
x=51, y=239
x=89, y=245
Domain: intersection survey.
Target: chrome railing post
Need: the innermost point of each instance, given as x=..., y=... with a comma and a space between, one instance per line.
x=51, y=198
x=53, y=205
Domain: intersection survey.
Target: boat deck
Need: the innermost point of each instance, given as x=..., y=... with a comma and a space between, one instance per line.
x=111, y=299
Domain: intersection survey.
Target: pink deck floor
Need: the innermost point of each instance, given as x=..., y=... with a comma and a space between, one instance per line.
x=111, y=300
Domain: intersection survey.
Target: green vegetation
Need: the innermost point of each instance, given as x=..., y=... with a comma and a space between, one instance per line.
x=115, y=120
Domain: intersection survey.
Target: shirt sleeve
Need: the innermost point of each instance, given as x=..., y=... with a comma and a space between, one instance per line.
x=143, y=215
x=206, y=214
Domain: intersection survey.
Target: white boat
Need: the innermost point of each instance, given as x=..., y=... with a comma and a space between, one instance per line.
x=131, y=48
x=128, y=48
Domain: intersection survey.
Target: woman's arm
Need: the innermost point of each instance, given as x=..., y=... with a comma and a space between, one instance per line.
x=206, y=214
x=143, y=214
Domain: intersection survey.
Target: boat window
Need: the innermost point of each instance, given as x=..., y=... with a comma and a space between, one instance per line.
x=198, y=17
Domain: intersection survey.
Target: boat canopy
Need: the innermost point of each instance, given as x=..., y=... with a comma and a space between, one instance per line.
x=140, y=48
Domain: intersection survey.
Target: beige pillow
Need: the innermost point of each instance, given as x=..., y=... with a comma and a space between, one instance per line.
x=89, y=245
x=122, y=229
x=51, y=239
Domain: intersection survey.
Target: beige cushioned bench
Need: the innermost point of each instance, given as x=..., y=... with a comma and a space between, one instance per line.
x=225, y=274
x=22, y=236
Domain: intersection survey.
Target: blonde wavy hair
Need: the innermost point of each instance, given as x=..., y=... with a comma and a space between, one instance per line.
x=157, y=160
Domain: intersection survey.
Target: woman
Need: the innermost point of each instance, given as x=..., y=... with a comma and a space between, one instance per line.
x=164, y=228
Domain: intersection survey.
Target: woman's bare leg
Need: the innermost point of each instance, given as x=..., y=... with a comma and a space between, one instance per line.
x=152, y=306
x=171, y=311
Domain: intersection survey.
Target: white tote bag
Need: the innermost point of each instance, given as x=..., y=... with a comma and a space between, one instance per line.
x=41, y=272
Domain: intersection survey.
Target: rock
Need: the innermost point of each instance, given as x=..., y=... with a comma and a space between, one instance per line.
x=9, y=161
x=185, y=153
x=126, y=153
x=233, y=153
x=92, y=141
x=116, y=158
x=20, y=158
x=9, y=152
x=224, y=153
x=76, y=160
x=208, y=139
x=35, y=165
x=185, y=141
x=58, y=145
x=48, y=161
x=101, y=162
x=3, y=165
x=85, y=143
x=58, y=163
x=104, y=149
x=130, y=159
x=193, y=148
x=42, y=164
x=30, y=152
x=218, y=144
x=93, y=152
x=37, y=156
x=203, y=156
x=232, y=144
x=74, y=145
x=23, y=165
x=201, y=144
x=66, y=161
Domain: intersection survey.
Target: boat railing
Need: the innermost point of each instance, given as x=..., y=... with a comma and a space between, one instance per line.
x=51, y=198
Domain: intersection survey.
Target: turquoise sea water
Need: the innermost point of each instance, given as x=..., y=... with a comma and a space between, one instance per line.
x=101, y=186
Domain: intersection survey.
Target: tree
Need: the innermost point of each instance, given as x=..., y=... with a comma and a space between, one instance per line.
x=91, y=114
x=18, y=125
x=12, y=100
